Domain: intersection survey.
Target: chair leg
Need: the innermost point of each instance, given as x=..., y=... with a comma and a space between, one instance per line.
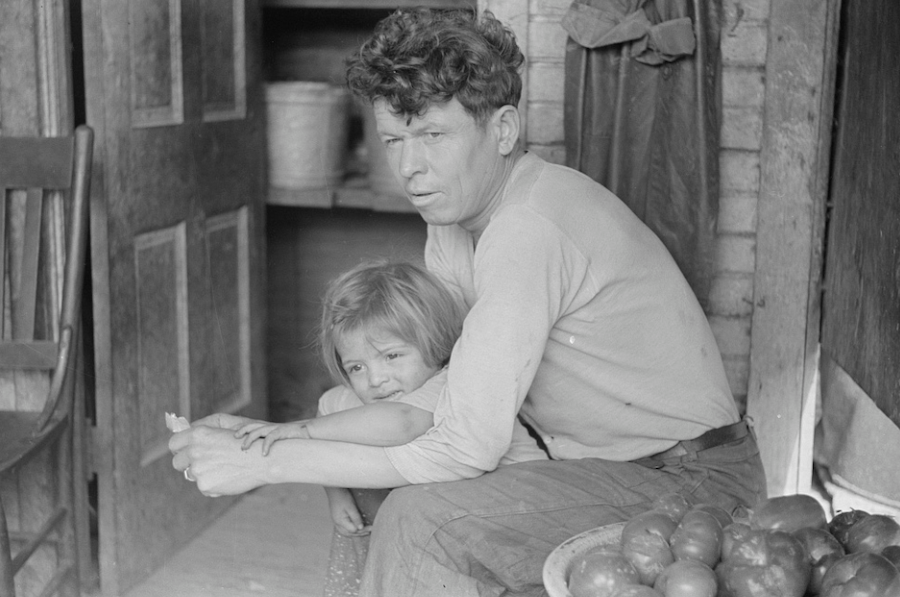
x=7, y=574
x=67, y=556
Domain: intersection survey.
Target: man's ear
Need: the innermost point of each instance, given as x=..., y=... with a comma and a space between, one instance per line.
x=506, y=119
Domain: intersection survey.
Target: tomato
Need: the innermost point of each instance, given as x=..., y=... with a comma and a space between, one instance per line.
x=762, y=563
x=654, y=522
x=637, y=591
x=788, y=513
x=822, y=550
x=600, y=573
x=645, y=543
x=673, y=504
x=861, y=574
x=892, y=553
x=687, y=578
x=718, y=512
x=873, y=533
x=732, y=535
x=698, y=537
x=842, y=521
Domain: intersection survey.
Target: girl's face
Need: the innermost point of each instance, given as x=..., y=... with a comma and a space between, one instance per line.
x=380, y=365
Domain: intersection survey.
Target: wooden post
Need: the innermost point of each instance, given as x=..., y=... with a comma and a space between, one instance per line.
x=799, y=98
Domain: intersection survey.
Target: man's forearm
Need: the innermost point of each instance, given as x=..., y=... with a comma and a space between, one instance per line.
x=222, y=467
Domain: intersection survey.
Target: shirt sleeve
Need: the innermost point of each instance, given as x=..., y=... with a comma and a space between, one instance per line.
x=518, y=289
x=426, y=397
x=337, y=399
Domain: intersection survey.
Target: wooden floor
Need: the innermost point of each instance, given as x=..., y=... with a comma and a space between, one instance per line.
x=273, y=542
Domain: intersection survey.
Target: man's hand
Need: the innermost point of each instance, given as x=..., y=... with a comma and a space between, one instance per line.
x=225, y=421
x=214, y=458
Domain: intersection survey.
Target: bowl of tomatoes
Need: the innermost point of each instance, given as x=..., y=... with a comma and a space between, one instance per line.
x=559, y=565
x=782, y=547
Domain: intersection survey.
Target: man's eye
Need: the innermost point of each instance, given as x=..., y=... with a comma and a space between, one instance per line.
x=434, y=136
x=391, y=141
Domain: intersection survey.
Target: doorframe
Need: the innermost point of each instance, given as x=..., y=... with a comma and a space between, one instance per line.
x=784, y=387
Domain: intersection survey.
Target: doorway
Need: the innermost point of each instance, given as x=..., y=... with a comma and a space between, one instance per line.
x=858, y=441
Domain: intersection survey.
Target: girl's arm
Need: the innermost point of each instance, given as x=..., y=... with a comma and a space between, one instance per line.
x=383, y=424
x=344, y=512
x=377, y=424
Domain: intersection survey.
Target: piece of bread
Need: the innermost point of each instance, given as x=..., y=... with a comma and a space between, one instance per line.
x=176, y=424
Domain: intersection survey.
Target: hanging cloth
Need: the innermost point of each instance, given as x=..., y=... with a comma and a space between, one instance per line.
x=642, y=105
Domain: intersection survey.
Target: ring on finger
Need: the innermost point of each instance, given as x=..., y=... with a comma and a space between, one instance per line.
x=188, y=476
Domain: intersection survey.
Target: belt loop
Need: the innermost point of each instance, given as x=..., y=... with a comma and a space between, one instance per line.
x=691, y=456
x=750, y=425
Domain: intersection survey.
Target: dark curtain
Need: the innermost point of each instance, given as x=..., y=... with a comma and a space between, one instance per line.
x=642, y=105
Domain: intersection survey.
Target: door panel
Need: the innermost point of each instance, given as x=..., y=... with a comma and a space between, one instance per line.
x=223, y=53
x=174, y=92
x=162, y=355
x=155, y=49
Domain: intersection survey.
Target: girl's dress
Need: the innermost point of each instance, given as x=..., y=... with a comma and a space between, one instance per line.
x=348, y=554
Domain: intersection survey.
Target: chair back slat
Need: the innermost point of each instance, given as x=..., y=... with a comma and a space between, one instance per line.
x=36, y=162
x=36, y=354
x=3, y=191
x=24, y=294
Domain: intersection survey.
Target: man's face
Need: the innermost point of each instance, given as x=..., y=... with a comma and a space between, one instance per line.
x=450, y=167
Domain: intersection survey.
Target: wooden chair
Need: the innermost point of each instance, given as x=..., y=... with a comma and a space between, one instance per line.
x=40, y=324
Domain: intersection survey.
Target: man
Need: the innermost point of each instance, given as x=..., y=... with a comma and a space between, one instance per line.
x=579, y=321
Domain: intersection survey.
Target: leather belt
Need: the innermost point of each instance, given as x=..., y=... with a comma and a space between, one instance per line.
x=710, y=439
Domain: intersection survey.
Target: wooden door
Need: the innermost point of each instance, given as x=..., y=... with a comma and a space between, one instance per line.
x=173, y=90
x=861, y=303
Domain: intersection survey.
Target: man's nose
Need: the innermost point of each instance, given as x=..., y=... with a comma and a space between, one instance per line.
x=412, y=160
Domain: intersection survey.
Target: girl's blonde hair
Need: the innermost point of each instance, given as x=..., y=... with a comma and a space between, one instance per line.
x=400, y=298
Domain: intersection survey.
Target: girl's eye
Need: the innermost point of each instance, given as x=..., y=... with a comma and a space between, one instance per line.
x=353, y=369
x=392, y=355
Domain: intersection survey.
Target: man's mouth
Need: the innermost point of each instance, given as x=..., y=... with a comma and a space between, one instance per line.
x=419, y=194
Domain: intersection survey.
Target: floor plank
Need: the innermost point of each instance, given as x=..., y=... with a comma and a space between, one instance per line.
x=273, y=542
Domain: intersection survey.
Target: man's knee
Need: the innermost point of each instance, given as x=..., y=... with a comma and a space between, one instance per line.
x=414, y=505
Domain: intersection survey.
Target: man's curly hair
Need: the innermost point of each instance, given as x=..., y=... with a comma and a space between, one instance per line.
x=419, y=57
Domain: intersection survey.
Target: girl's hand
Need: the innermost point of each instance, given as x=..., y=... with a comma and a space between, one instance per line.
x=270, y=432
x=347, y=519
x=348, y=522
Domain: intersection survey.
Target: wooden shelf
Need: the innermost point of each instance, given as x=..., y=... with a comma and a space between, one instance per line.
x=354, y=193
x=300, y=197
x=373, y=4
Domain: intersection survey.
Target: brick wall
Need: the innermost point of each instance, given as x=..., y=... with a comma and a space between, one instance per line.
x=743, y=47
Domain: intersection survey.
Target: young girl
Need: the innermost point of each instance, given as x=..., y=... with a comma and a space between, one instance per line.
x=387, y=331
